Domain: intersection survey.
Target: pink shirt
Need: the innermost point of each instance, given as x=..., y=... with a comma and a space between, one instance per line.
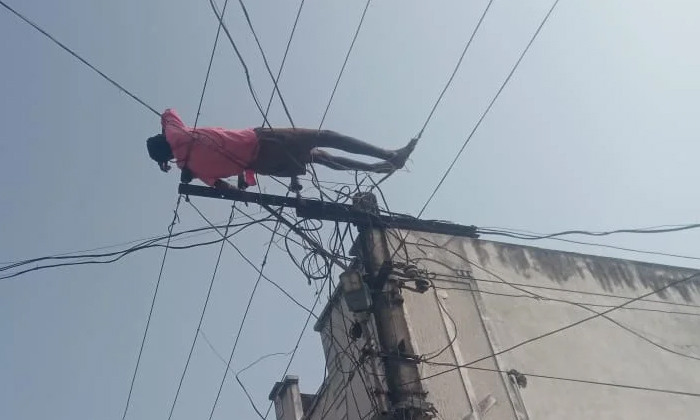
x=211, y=153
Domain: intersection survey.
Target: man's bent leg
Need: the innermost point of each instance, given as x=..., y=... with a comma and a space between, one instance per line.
x=331, y=139
x=344, y=164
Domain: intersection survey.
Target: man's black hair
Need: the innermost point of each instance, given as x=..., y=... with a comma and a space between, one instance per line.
x=159, y=150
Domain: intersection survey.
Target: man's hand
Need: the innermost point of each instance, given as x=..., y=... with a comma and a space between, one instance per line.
x=224, y=186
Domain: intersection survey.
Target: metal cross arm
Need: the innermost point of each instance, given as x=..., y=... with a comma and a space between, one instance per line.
x=323, y=210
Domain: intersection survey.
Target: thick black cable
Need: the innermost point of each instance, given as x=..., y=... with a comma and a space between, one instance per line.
x=150, y=311
x=119, y=254
x=4, y=264
x=201, y=317
x=488, y=108
x=245, y=316
x=79, y=58
x=140, y=244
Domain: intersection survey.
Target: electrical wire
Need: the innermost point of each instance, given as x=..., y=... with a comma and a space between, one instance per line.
x=118, y=255
x=585, y=306
x=454, y=71
x=201, y=318
x=544, y=298
x=310, y=312
x=582, y=306
x=255, y=267
x=267, y=65
x=317, y=300
x=263, y=264
x=150, y=311
x=446, y=87
x=211, y=62
x=597, y=244
x=78, y=57
x=228, y=368
x=240, y=58
x=296, y=345
x=284, y=57
x=238, y=379
x=488, y=108
x=345, y=62
x=143, y=242
x=434, y=245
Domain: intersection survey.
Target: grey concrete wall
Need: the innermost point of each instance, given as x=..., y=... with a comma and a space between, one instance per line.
x=499, y=295
x=348, y=389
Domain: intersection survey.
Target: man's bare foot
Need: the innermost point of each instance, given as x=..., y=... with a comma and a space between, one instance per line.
x=383, y=167
x=401, y=155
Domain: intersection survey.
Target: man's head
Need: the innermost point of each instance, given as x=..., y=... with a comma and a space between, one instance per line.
x=159, y=150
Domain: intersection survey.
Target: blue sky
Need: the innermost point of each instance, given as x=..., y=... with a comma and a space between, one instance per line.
x=597, y=129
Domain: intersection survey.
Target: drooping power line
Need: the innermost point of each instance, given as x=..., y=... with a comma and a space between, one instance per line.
x=78, y=57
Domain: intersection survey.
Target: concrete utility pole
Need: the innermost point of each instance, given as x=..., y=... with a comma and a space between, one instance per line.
x=405, y=393
x=374, y=289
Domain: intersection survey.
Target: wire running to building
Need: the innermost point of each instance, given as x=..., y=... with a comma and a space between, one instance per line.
x=444, y=278
x=571, y=325
x=432, y=244
x=78, y=57
x=507, y=231
x=577, y=304
x=533, y=236
x=581, y=381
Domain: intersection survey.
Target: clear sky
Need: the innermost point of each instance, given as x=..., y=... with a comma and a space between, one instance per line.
x=597, y=130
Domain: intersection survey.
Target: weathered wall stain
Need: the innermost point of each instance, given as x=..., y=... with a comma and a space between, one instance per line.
x=482, y=254
x=610, y=273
